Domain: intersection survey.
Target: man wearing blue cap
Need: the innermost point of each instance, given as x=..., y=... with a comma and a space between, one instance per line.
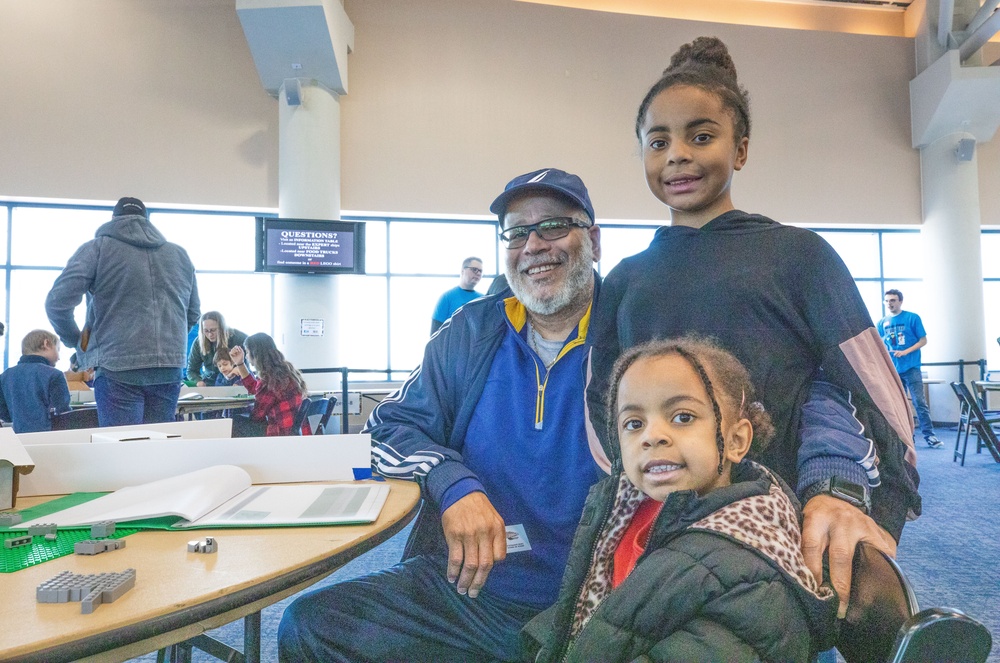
x=492, y=426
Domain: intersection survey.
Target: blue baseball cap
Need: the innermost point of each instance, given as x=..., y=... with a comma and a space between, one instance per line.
x=546, y=179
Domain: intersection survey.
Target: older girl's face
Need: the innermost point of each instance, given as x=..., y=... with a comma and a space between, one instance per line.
x=666, y=428
x=690, y=152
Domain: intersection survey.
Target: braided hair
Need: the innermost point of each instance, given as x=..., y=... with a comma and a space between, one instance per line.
x=705, y=357
x=704, y=63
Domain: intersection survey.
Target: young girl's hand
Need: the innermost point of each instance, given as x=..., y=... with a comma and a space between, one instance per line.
x=236, y=353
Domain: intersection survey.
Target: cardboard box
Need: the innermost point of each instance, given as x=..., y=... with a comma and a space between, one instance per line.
x=14, y=461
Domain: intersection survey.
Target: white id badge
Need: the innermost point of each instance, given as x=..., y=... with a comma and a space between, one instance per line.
x=517, y=540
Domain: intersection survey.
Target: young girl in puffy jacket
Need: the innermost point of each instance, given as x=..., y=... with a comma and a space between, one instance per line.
x=278, y=387
x=687, y=551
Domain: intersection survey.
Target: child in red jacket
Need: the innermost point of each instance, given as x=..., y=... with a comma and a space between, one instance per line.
x=278, y=387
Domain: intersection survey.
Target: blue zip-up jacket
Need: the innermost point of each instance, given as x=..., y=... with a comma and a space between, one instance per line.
x=142, y=298
x=481, y=413
x=31, y=390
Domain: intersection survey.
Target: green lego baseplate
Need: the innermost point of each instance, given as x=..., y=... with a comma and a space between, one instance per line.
x=41, y=550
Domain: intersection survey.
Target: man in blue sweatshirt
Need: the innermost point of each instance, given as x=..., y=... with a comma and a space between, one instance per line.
x=492, y=427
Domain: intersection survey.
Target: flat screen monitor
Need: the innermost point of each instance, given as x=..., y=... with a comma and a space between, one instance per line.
x=305, y=246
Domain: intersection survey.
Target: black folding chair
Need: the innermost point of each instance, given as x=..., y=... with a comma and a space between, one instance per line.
x=975, y=419
x=300, y=416
x=85, y=417
x=884, y=621
x=965, y=426
x=318, y=415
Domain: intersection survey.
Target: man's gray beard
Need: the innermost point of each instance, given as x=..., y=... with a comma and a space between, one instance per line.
x=577, y=284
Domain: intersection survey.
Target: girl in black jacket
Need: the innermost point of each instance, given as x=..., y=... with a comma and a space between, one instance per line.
x=687, y=552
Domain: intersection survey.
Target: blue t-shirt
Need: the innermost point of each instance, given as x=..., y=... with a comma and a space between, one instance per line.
x=451, y=301
x=900, y=332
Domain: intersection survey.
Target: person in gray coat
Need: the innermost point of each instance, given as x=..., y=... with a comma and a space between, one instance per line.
x=142, y=299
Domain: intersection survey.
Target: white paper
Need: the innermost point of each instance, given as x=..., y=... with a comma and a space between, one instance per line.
x=74, y=468
x=198, y=429
x=276, y=505
x=190, y=496
x=133, y=436
x=222, y=496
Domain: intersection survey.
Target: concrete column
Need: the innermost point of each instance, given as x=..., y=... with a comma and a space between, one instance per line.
x=953, y=274
x=308, y=188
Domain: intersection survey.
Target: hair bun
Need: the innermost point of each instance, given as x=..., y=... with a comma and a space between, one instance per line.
x=703, y=51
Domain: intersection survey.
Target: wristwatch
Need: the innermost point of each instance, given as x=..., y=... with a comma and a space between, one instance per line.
x=842, y=489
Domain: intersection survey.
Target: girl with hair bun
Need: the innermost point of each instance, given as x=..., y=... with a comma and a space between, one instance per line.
x=780, y=299
x=687, y=552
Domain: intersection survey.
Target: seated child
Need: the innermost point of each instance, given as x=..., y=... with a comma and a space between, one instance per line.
x=688, y=551
x=278, y=387
x=228, y=376
x=34, y=389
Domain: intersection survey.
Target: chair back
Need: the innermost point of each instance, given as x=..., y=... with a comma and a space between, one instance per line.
x=960, y=393
x=300, y=416
x=327, y=406
x=85, y=417
x=881, y=601
x=884, y=622
x=942, y=634
x=977, y=418
x=318, y=417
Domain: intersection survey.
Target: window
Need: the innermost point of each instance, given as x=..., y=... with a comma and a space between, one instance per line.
x=410, y=263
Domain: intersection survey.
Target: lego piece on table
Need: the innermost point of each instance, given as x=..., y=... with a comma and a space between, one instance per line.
x=9, y=519
x=206, y=545
x=42, y=529
x=90, y=590
x=113, y=588
x=90, y=602
x=17, y=541
x=103, y=529
x=97, y=546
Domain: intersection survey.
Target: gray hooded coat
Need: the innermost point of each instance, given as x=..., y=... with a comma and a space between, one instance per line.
x=142, y=298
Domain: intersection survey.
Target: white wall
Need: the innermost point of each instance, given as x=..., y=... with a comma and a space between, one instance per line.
x=448, y=100
x=153, y=98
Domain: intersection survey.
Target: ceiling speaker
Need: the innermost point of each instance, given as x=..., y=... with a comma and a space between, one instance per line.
x=966, y=149
x=293, y=91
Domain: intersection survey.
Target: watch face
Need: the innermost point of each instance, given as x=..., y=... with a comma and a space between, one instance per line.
x=849, y=492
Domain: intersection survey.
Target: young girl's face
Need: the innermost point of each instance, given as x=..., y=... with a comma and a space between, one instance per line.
x=690, y=151
x=666, y=428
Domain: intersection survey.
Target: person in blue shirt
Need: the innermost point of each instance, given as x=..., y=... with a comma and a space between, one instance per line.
x=34, y=389
x=460, y=295
x=904, y=335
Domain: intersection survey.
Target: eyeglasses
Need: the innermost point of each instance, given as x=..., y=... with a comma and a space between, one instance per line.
x=549, y=229
x=475, y=270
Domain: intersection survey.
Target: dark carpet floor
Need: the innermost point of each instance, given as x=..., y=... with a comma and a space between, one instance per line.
x=951, y=554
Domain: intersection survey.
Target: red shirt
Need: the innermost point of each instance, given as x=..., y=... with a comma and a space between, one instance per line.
x=634, y=540
x=277, y=409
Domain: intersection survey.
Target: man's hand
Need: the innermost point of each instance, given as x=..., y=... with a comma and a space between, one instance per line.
x=831, y=523
x=476, y=539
